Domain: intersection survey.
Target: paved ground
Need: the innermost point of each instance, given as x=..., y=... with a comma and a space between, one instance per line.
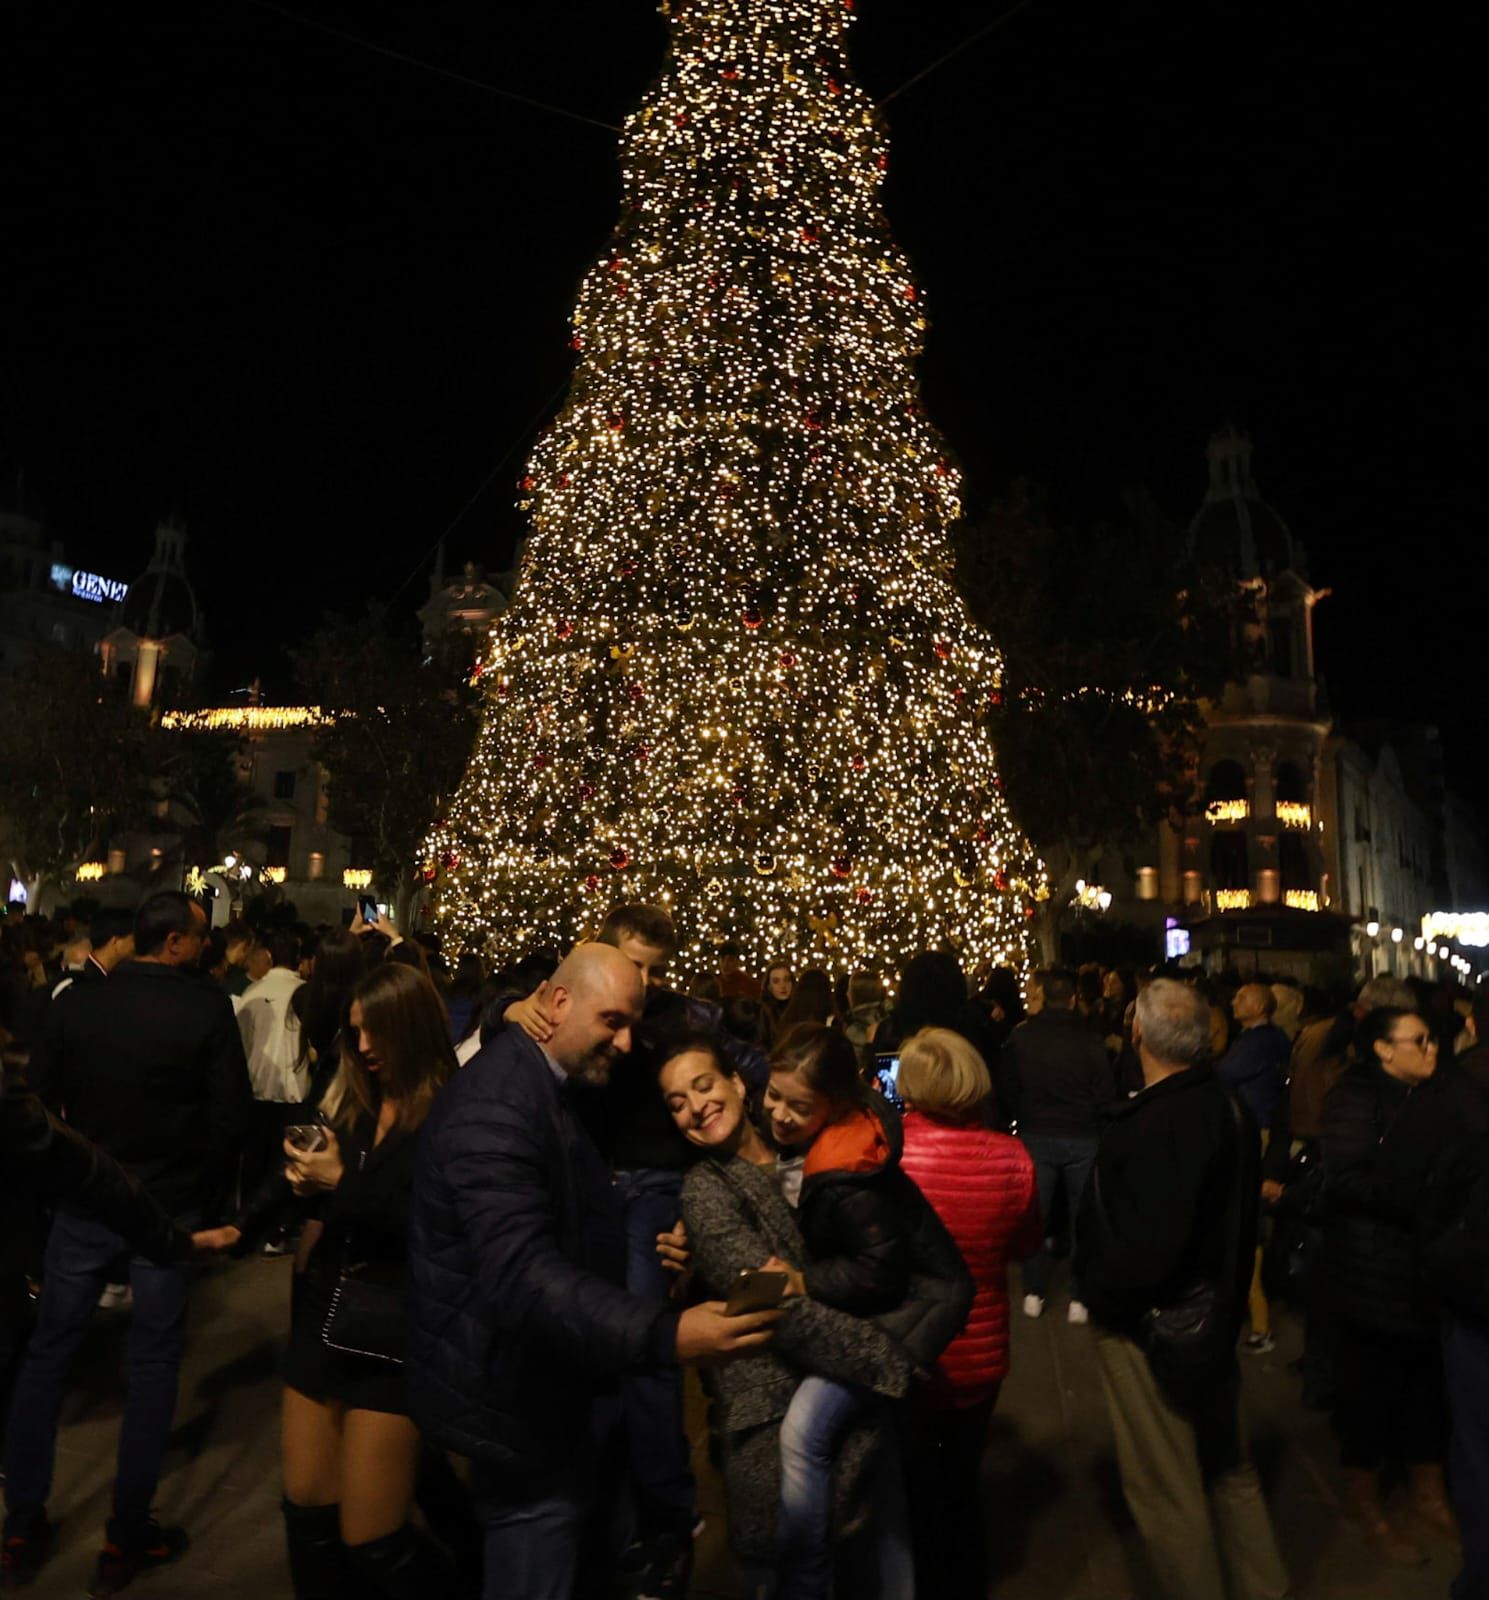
x=1058, y=1527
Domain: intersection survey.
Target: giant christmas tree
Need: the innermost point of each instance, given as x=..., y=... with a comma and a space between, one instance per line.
x=735, y=678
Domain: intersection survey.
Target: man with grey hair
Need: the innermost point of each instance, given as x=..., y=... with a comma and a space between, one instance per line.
x=1172, y=1204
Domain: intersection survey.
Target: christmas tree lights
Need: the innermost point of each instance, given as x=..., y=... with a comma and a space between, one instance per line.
x=735, y=678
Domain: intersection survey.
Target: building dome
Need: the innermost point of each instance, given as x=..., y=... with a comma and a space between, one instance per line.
x=1235, y=529
x=161, y=602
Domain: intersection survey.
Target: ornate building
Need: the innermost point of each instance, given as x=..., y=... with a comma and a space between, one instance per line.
x=1317, y=850
x=156, y=642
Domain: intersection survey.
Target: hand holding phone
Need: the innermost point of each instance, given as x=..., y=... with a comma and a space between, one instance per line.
x=756, y=1291
x=368, y=907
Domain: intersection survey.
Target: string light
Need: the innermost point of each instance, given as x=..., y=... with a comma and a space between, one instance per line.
x=1232, y=899
x=1294, y=814
x=90, y=872
x=1301, y=899
x=735, y=676
x=246, y=719
x=356, y=878
x=1227, y=811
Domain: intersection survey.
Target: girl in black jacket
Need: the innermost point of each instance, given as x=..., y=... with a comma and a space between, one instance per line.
x=1388, y=1365
x=351, y=1452
x=874, y=1248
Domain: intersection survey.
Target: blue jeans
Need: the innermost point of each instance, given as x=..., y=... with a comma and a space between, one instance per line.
x=1465, y=1348
x=657, y=1442
x=1057, y=1163
x=533, y=1535
x=78, y=1257
x=812, y=1432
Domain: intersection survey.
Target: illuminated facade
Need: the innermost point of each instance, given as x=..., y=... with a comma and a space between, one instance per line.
x=1307, y=835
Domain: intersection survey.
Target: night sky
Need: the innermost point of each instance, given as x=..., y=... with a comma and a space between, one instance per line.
x=308, y=297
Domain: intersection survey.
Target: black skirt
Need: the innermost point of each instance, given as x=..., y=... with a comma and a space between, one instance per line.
x=360, y=1383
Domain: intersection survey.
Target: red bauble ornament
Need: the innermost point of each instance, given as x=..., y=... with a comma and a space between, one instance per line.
x=858, y=762
x=842, y=866
x=450, y=860
x=995, y=699
x=529, y=482
x=592, y=883
x=864, y=896
x=586, y=791
x=540, y=760
x=833, y=86
x=787, y=660
x=1000, y=881
x=883, y=163
x=564, y=629
x=752, y=617
x=576, y=343
x=960, y=695
x=637, y=692
x=429, y=873
x=910, y=291
x=615, y=422
x=730, y=75
x=562, y=480
x=620, y=858
x=943, y=650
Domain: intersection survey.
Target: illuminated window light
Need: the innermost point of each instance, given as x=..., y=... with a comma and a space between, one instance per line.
x=1232, y=899
x=1227, y=811
x=1301, y=899
x=357, y=878
x=90, y=872
x=1294, y=814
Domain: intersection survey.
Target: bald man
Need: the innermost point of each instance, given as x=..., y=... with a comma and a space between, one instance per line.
x=517, y=1260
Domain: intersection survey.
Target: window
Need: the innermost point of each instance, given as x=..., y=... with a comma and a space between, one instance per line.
x=1289, y=783
x=1147, y=883
x=1292, y=858
x=317, y=866
x=284, y=786
x=1229, y=865
x=1227, y=781
x=279, y=845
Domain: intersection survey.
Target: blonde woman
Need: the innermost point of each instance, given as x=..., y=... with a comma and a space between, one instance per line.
x=981, y=1184
x=350, y=1451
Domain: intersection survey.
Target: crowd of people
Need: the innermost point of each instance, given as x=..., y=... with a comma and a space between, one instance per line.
x=522, y=1202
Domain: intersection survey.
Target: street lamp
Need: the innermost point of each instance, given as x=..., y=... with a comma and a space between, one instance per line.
x=1372, y=928
x=1397, y=935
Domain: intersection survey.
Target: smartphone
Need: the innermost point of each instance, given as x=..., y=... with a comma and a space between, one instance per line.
x=306, y=1136
x=368, y=908
x=755, y=1291
x=887, y=1079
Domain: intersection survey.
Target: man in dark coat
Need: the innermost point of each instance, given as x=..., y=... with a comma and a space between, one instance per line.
x=149, y=1066
x=517, y=1265
x=1056, y=1085
x=1172, y=1204
x=647, y=1155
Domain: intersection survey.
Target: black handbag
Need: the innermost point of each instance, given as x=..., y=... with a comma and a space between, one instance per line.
x=369, y=1313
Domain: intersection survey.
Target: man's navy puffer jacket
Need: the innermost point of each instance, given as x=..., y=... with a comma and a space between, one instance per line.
x=509, y=1321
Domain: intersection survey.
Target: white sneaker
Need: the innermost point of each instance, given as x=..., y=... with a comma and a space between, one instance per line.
x=1077, y=1314
x=116, y=1297
x=1033, y=1305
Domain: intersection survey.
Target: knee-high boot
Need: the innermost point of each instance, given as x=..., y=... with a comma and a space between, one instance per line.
x=318, y=1564
x=406, y=1565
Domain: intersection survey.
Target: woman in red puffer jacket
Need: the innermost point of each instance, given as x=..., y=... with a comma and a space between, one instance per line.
x=981, y=1184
